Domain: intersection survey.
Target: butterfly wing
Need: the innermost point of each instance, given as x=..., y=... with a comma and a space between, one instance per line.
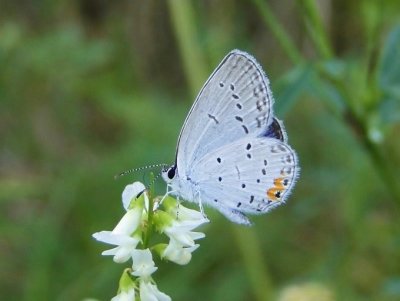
x=251, y=175
x=235, y=102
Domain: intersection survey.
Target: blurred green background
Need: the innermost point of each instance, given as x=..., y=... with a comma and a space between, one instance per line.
x=89, y=88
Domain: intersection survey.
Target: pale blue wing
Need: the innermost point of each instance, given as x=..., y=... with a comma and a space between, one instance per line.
x=251, y=175
x=235, y=102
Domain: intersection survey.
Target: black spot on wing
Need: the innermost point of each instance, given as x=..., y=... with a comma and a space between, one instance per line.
x=213, y=118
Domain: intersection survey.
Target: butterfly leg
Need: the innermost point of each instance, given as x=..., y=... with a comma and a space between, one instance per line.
x=163, y=198
x=200, y=204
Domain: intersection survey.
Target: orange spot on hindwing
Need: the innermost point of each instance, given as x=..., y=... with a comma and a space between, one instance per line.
x=278, y=182
x=274, y=194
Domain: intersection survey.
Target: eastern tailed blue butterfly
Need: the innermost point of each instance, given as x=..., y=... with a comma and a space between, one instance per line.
x=232, y=151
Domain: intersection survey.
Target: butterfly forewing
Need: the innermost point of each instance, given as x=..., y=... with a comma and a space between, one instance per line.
x=235, y=102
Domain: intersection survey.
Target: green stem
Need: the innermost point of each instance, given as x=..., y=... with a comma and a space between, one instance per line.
x=316, y=28
x=183, y=20
x=254, y=263
x=381, y=165
x=373, y=20
x=149, y=224
x=279, y=32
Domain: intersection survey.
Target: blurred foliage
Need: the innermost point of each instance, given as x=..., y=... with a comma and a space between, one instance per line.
x=91, y=87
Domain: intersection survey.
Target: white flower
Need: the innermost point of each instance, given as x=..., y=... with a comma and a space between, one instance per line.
x=143, y=264
x=184, y=220
x=125, y=295
x=182, y=234
x=177, y=253
x=131, y=192
x=121, y=236
x=178, y=224
x=181, y=213
x=150, y=292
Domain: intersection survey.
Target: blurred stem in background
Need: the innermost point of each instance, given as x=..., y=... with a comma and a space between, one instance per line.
x=195, y=66
x=254, y=262
x=279, y=32
x=315, y=27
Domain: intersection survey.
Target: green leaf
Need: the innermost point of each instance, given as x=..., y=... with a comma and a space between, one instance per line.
x=389, y=66
x=389, y=110
x=291, y=86
x=328, y=93
x=391, y=287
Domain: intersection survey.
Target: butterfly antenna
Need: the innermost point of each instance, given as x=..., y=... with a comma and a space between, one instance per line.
x=124, y=173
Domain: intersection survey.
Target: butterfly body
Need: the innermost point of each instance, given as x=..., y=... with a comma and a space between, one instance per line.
x=232, y=152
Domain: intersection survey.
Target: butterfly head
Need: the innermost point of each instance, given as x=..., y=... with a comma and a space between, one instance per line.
x=168, y=173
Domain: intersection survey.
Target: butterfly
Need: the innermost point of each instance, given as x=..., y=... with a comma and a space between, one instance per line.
x=232, y=152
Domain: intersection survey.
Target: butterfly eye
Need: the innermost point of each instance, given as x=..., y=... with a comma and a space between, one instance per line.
x=171, y=172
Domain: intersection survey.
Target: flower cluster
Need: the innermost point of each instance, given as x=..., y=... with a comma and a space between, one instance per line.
x=132, y=234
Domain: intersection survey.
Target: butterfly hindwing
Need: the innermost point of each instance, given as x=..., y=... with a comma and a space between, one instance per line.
x=250, y=175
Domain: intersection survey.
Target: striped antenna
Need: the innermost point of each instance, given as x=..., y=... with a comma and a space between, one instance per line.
x=124, y=173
